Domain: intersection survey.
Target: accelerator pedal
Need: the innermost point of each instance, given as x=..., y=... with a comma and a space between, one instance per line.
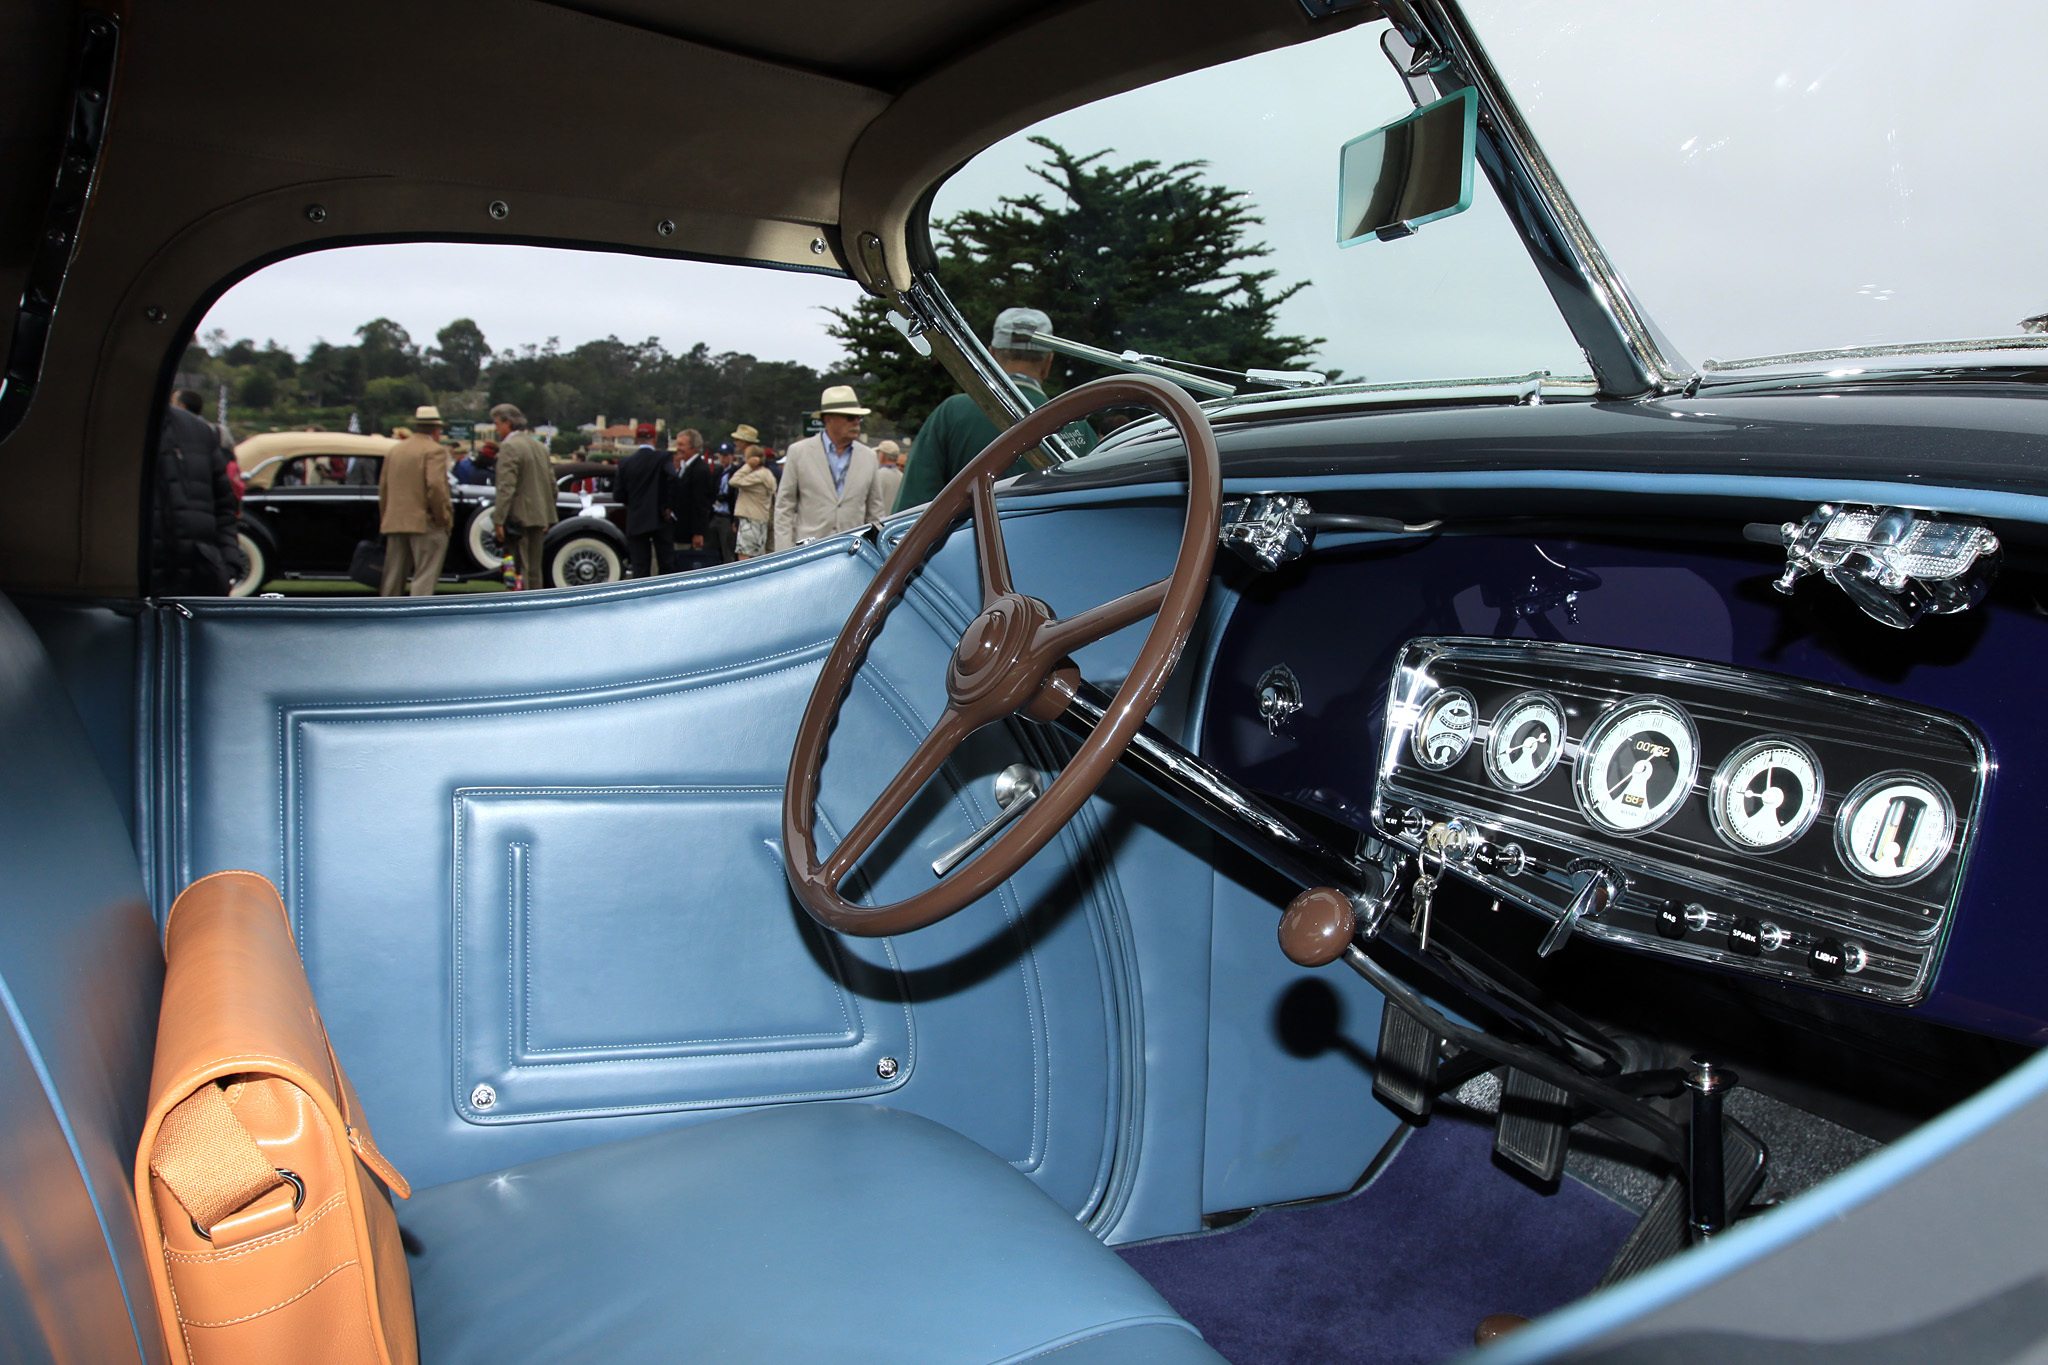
x=1660, y=1233
x=1406, y=1078
x=1534, y=1126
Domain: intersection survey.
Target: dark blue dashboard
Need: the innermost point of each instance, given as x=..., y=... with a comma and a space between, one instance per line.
x=1338, y=620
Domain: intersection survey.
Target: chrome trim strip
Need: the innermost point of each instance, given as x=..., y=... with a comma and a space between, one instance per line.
x=1630, y=356
x=2025, y=343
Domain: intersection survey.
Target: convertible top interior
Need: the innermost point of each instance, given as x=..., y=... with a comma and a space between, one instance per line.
x=867, y=951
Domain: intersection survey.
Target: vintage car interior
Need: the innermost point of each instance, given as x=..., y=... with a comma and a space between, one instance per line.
x=1335, y=863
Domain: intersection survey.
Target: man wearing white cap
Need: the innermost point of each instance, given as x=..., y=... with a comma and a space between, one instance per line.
x=958, y=430
x=828, y=480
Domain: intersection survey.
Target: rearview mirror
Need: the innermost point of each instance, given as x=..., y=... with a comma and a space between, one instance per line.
x=1413, y=171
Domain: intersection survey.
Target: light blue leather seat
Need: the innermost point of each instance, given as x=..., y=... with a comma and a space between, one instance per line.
x=813, y=1233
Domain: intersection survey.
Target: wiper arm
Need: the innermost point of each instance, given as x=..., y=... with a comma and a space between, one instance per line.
x=1182, y=372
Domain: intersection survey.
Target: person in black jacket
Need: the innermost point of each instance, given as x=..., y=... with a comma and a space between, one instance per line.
x=193, y=548
x=696, y=488
x=646, y=484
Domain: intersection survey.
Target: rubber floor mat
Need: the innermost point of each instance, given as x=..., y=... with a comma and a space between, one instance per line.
x=1398, y=1273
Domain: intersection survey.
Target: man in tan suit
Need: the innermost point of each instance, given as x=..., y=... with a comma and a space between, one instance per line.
x=828, y=480
x=525, y=504
x=413, y=508
x=890, y=475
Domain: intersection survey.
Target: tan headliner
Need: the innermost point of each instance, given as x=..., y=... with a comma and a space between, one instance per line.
x=756, y=129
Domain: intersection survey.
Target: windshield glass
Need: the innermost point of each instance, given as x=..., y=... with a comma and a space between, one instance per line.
x=1197, y=219
x=1778, y=178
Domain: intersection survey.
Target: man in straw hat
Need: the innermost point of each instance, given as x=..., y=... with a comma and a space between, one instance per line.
x=828, y=480
x=413, y=508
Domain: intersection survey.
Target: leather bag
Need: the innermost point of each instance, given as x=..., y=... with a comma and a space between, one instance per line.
x=265, y=1205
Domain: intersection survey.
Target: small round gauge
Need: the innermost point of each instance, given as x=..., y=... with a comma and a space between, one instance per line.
x=1443, y=732
x=1636, y=765
x=1766, y=794
x=1525, y=742
x=1895, y=828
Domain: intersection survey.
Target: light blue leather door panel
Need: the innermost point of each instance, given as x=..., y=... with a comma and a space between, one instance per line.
x=591, y=977
x=346, y=748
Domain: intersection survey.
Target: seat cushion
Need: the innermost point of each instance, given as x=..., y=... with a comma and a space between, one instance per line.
x=817, y=1233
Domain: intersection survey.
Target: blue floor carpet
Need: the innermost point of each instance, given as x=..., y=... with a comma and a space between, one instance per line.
x=1397, y=1274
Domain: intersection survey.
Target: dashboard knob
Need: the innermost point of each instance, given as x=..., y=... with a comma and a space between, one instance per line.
x=1828, y=959
x=1317, y=927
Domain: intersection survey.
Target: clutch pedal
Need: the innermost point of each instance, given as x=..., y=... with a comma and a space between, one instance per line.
x=1406, y=1077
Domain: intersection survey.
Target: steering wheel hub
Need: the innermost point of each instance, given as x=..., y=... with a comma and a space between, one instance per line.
x=994, y=656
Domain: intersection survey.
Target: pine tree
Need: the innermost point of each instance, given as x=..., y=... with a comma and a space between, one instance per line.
x=1142, y=257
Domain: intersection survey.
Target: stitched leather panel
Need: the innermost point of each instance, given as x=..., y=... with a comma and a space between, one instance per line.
x=642, y=987
x=328, y=745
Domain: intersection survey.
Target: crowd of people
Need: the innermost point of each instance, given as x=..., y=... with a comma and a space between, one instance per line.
x=689, y=507
x=684, y=506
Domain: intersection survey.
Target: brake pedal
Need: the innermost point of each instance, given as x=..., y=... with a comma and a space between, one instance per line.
x=1534, y=1126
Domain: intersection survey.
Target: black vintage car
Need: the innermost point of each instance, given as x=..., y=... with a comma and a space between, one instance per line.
x=312, y=499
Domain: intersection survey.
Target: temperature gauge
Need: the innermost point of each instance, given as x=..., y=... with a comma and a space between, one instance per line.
x=1766, y=794
x=1895, y=828
x=1526, y=740
x=1443, y=732
x=1636, y=765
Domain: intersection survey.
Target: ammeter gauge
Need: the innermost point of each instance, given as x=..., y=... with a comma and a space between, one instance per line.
x=1443, y=732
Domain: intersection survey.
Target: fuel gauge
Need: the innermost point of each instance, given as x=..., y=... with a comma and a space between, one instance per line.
x=1526, y=739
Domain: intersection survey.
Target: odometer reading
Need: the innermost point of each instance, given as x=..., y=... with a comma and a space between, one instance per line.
x=1525, y=742
x=1766, y=794
x=1443, y=732
x=1636, y=765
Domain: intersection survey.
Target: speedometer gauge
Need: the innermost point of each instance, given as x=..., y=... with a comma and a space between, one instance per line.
x=1637, y=765
x=1526, y=739
x=1766, y=794
x=1443, y=732
x=1895, y=828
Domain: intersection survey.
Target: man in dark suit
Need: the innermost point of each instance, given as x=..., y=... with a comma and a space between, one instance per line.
x=646, y=484
x=695, y=490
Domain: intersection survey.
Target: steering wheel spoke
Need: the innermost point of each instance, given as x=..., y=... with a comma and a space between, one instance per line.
x=1063, y=636
x=988, y=543
x=929, y=756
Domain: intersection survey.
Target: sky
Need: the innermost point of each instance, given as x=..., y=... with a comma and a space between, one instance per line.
x=1850, y=180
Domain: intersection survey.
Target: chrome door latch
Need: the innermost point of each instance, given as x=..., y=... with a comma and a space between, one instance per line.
x=1895, y=563
x=1266, y=531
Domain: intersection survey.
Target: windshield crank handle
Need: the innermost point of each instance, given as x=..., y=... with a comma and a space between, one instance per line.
x=1016, y=787
x=1600, y=891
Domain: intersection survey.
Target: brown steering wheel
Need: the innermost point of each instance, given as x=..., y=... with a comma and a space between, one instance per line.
x=1012, y=657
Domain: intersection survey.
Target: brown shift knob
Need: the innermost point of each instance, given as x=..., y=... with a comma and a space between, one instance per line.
x=1494, y=1326
x=1317, y=927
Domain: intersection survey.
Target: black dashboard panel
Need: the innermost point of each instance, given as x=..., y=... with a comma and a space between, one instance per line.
x=1760, y=823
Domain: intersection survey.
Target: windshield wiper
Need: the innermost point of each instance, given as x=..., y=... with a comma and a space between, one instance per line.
x=1186, y=373
x=2020, y=343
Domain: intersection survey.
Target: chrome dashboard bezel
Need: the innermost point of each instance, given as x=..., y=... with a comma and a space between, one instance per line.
x=1906, y=958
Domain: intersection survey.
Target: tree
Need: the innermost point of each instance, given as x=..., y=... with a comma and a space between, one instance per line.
x=1141, y=257
x=460, y=352
x=387, y=349
x=258, y=389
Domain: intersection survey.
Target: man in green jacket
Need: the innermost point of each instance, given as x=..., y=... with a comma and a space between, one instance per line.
x=958, y=430
x=525, y=504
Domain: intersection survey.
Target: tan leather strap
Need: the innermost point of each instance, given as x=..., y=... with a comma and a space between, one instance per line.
x=207, y=1159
